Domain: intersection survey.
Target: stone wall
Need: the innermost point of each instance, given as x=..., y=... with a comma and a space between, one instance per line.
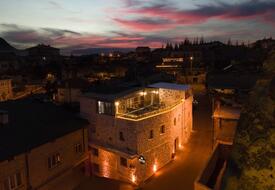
x=224, y=129
x=40, y=174
x=36, y=163
x=9, y=168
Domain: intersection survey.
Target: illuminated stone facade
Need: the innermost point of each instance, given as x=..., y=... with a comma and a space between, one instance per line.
x=118, y=140
x=5, y=89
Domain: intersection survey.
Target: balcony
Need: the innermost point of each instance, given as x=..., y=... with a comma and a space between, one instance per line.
x=148, y=103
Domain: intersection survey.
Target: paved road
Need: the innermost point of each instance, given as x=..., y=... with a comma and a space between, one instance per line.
x=182, y=172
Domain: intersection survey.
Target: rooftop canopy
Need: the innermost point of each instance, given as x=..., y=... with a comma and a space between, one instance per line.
x=170, y=86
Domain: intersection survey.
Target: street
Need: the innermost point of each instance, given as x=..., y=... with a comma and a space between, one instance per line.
x=181, y=173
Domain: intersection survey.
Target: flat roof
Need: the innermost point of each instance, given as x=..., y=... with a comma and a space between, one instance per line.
x=171, y=86
x=33, y=123
x=112, y=96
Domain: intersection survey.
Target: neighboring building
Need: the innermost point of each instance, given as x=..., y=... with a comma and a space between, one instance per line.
x=196, y=77
x=142, y=54
x=6, y=92
x=42, y=146
x=230, y=83
x=135, y=132
x=210, y=177
x=171, y=64
x=68, y=91
x=225, y=121
x=143, y=51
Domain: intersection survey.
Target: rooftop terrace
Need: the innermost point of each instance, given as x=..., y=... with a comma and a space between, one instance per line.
x=155, y=99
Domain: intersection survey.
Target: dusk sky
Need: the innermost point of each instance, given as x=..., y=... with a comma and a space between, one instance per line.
x=131, y=23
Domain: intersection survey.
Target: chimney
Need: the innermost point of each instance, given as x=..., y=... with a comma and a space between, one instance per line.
x=4, y=117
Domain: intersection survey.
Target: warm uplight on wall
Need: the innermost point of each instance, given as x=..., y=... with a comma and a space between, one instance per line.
x=116, y=103
x=180, y=146
x=154, y=168
x=155, y=92
x=143, y=93
x=134, y=178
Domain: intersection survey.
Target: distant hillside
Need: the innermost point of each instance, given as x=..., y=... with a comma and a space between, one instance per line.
x=5, y=46
x=96, y=51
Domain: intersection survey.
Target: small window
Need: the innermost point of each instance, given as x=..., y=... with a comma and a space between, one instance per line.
x=13, y=182
x=54, y=160
x=175, y=121
x=151, y=135
x=105, y=108
x=95, y=152
x=78, y=148
x=95, y=167
x=162, y=129
x=121, y=136
x=123, y=161
x=18, y=178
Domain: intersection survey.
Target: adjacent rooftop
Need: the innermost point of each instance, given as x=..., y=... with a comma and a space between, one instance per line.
x=31, y=123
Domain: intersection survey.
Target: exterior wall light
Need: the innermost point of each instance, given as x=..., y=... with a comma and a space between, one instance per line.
x=154, y=168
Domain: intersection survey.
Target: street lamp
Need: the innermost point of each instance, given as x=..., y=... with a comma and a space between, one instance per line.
x=191, y=61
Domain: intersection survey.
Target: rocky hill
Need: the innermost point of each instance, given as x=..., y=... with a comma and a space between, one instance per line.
x=6, y=47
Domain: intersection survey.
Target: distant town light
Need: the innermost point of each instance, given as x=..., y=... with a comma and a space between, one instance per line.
x=110, y=55
x=154, y=168
x=191, y=58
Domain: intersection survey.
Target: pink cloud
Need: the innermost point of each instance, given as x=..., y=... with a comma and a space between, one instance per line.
x=143, y=25
x=220, y=11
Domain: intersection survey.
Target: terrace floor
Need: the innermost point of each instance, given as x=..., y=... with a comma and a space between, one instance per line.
x=183, y=171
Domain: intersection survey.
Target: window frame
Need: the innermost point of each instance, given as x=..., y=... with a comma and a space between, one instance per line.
x=16, y=179
x=78, y=148
x=54, y=160
x=95, y=151
x=121, y=136
x=123, y=162
x=162, y=129
x=151, y=134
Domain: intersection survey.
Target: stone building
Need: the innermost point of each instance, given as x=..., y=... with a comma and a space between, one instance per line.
x=135, y=132
x=68, y=91
x=6, y=92
x=42, y=146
